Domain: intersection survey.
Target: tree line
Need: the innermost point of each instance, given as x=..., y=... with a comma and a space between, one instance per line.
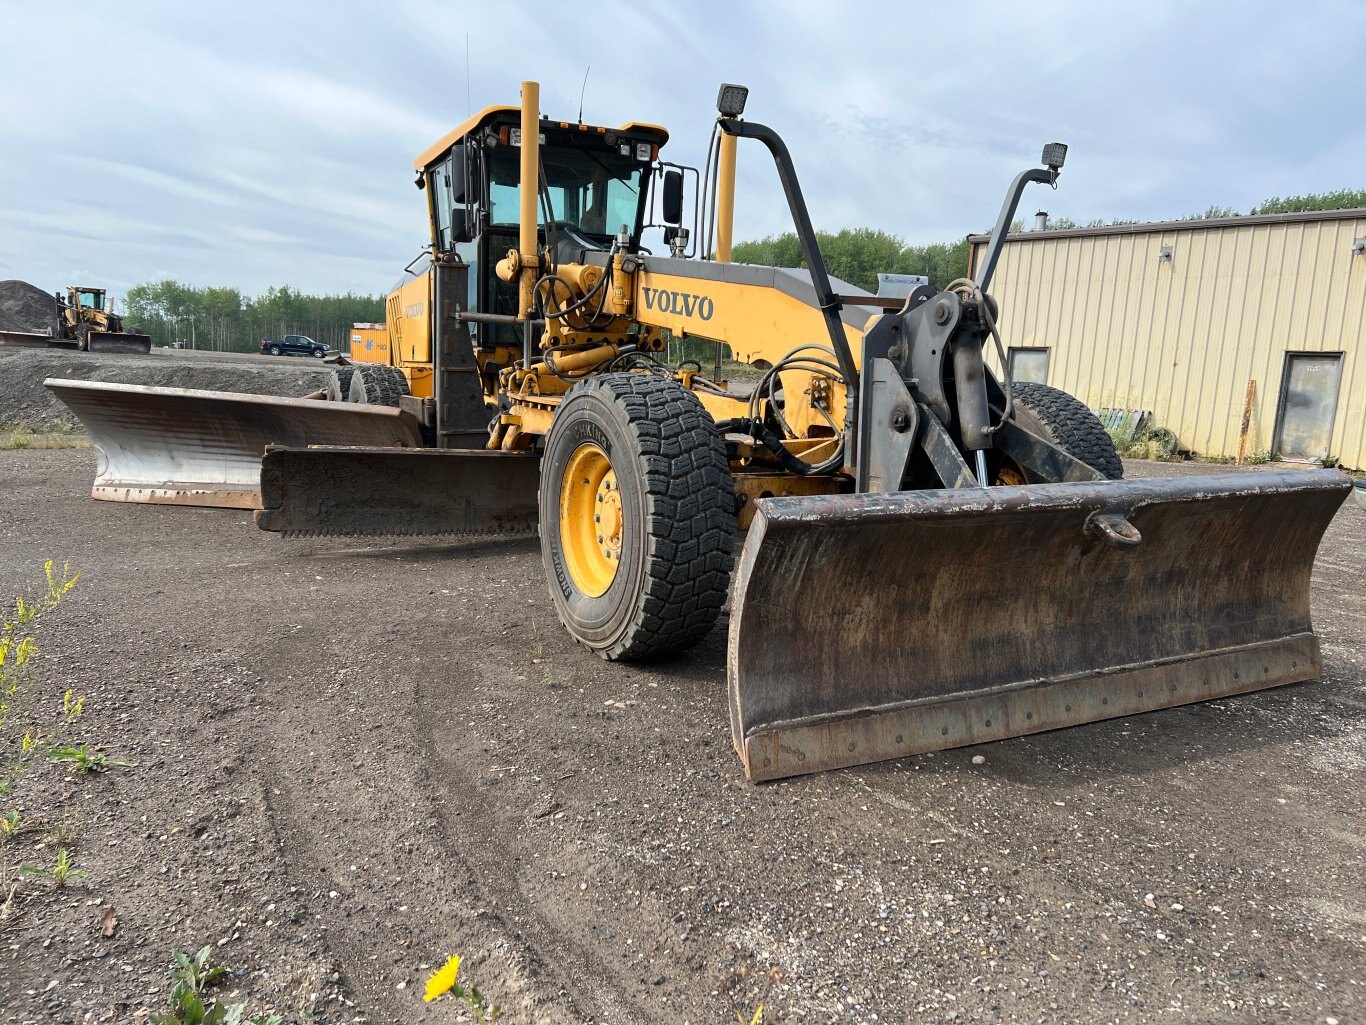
x=223, y=318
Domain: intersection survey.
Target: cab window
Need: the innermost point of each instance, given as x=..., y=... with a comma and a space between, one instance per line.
x=593, y=191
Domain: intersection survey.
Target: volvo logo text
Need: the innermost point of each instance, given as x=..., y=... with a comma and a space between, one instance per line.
x=683, y=303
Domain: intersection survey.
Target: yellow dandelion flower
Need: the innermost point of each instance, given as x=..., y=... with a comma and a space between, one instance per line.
x=443, y=979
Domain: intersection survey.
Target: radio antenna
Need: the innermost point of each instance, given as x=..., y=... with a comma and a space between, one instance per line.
x=583, y=90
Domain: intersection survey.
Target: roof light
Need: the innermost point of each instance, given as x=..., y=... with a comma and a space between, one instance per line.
x=1054, y=154
x=730, y=101
x=642, y=151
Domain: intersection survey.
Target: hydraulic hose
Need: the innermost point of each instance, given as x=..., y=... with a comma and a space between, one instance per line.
x=760, y=433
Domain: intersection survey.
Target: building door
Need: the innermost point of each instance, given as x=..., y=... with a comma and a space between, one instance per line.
x=1308, y=403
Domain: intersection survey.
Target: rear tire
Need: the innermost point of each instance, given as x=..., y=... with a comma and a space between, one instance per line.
x=647, y=575
x=377, y=385
x=1065, y=421
x=274, y=350
x=339, y=384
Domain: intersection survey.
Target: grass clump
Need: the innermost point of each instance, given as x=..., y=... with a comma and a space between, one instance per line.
x=57, y=435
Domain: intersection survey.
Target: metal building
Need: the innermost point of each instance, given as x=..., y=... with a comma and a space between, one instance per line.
x=1182, y=317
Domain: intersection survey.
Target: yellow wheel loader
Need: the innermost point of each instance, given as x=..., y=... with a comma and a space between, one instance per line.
x=933, y=555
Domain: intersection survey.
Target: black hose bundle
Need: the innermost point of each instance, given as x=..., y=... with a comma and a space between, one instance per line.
x=760, y=433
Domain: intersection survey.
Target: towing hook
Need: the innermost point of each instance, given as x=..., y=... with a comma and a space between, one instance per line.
x=1114, y=529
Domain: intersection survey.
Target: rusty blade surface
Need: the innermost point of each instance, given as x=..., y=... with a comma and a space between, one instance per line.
x=348, y=490
x=182, y=446
x=119, y=341
x=867, y=627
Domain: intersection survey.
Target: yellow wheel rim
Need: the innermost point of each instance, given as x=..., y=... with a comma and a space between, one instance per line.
x=1010, y=474
x=590, y=520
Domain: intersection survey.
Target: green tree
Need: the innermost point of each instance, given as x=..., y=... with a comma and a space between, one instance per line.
x=1342, y=199
x=858, y=255
x=220, y=317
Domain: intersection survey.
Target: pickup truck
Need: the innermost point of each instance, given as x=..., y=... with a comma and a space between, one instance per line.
x=293, y=345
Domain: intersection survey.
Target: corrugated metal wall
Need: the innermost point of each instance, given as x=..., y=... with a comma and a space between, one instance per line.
x=1183, y=337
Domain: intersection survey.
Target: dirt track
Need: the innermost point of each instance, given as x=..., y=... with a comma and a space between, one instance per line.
x=353, y=760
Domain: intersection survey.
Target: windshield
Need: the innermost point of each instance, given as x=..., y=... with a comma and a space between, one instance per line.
x=90, y=300
x=595, y=192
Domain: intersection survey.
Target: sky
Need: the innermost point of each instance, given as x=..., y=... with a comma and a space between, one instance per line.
x=255, y=144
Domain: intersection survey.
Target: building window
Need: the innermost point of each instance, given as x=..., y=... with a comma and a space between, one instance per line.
x=1028, y=365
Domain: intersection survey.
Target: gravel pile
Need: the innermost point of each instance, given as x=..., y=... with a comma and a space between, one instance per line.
x=24, y=402
x=25, y=307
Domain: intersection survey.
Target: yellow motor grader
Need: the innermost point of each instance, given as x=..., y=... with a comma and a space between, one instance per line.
x=933, y=555
x=84, y=320
x=87, y=317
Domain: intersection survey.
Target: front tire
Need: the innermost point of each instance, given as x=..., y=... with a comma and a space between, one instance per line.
x=637, y=516
x=1064, y=420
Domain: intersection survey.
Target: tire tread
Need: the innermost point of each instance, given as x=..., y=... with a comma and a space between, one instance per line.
x=1072, y=425
x=689, y=514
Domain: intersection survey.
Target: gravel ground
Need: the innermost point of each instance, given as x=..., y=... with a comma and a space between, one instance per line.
x=24, y=402
x=353, y=760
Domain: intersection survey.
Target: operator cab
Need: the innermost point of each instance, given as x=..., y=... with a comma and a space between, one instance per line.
x=85, y=298
x=595, y=183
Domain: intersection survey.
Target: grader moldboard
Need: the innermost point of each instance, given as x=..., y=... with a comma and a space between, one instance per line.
x=934, y=557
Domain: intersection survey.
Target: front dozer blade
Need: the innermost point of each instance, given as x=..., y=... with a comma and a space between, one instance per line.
x=182, y=446
x=119, y=341
x=322, y=491
x=873, y=626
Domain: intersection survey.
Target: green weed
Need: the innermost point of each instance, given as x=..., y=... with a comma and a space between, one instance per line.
x=18, y=651
x=59, y=872
x=193, y=975
x=83, y=761
x=9, y=826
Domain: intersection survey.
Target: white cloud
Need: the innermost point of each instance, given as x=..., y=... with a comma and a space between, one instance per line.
x=257, y=144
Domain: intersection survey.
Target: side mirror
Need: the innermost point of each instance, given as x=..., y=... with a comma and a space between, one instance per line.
x=460, y=226
x=457, y=175
x=673, y=197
